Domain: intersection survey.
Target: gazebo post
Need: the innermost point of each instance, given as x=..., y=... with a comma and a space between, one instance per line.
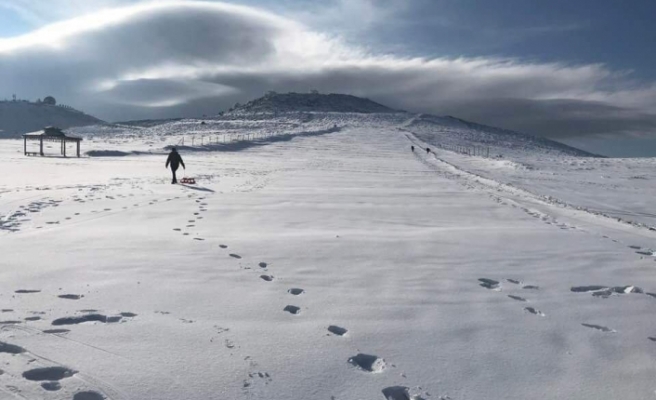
x=41, y=146
x=25, y=145
x=78, y=148
x=64, y=147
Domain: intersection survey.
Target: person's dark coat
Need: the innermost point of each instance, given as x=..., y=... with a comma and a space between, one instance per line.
x=175, y=160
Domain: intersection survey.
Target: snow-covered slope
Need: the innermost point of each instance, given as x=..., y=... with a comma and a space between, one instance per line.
x=450, y=132
x=439, y=131
x=331, y=266
x=18, y=117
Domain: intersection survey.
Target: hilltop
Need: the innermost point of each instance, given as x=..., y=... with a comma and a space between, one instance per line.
x=18, y=117
x=317, y=102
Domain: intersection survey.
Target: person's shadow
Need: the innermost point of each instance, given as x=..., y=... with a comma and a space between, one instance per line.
x=199, y=188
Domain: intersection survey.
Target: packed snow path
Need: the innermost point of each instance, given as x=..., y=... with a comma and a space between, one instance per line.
x=340, y=266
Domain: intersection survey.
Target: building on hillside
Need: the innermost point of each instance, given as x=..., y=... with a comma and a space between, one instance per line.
x=50, y=134
x=50, y=101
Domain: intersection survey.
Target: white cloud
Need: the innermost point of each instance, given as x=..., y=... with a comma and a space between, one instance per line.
x=173, y=58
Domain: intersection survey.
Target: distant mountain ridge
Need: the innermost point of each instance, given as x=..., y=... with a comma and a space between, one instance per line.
x=314, y=102
x=19, y=116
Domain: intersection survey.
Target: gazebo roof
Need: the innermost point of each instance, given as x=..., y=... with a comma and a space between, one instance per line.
x=51, y=132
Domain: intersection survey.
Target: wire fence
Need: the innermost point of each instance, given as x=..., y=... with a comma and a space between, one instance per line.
x=208, y=139
x=224, y=138
x=478, y=151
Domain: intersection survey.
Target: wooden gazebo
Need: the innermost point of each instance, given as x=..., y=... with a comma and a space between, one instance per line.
x=50, y=134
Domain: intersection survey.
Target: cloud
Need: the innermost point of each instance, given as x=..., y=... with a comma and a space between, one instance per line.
x=191, y=58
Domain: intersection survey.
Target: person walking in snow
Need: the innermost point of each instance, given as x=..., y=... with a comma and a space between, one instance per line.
x=175, y=160
x=412, y=148
x=427, y=150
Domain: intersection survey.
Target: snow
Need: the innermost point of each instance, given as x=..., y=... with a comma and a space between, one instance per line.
x=332, y=264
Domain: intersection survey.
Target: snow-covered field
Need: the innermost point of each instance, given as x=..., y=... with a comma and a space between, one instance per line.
x=336, y=265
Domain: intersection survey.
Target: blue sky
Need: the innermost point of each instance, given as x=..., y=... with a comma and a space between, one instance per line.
x=556, y=68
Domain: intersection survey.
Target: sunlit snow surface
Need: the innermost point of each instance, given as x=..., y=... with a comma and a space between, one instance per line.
x=324, y=263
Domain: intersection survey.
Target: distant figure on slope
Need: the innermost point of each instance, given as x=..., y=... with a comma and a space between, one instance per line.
x=175, y=160
x=412, y=148
x=427, y=150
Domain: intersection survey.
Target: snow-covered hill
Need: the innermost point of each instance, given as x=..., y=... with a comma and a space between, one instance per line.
x=18, y=117
x=290, y=102
x=446, y=132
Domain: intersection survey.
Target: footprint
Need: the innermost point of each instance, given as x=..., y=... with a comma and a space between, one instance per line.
x=35, y=318
x=368, y=363
x=267, y=278
x=531, y=287
x=653, y=339
x=402, y=393
x=534, y=311
x=263, y=265
x=197, y=238
x=223, y=246
x=515, y=281
x=177, y=229
x=489, y=283
x=48, y=374
x=590, y=288
x=296, y=291
x=235, y=256
x=70, y=296
x=396, y=393
x=86, y=318
x=27, y=291
x=599, y=328
x=190, y=226
x=89, y=395
x=128, y=314
x=56, y=331
x=292, y=310
x=516, y=298
x=339, y=331
x=605, y=292
x=634, y=247
x=51, y=386
x=10, y=348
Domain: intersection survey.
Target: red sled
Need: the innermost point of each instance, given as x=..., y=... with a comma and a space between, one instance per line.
x=190, y=181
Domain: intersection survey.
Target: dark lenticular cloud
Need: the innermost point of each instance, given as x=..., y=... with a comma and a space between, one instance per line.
x=192, y=58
